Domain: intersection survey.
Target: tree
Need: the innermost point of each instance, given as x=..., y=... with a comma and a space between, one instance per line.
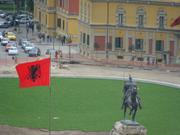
x=17, y=4
x=30, y=6
x=21, y=4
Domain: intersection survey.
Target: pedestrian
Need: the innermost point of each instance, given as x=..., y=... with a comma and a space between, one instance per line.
x=40, y=36
x=63, y=40
x=32, y=27
x=43, y=37
x=56, y=55
x=15, y=59
x=148, y=60
x=27, y=29
x=48, y=38
x=153, y=61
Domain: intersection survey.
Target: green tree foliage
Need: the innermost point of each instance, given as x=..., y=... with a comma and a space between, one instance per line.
x=24, y=5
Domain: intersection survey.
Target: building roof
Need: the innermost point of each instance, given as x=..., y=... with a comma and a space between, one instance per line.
x=159, y=0
x=154, y=2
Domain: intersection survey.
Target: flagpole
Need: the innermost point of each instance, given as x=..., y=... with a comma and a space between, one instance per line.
x=50, y=94
x=37, y=73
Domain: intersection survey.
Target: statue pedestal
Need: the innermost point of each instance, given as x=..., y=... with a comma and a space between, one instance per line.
x=127, y=127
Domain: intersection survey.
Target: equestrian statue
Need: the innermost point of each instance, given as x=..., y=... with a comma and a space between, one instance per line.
x=130, y=98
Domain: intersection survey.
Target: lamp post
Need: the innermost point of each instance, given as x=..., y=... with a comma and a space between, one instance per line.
x=14, y=7
x=107, y=31
x=69, y=40
x=27, y=29
x=54, y=35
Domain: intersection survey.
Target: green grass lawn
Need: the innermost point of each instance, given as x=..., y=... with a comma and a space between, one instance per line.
x=87, y=105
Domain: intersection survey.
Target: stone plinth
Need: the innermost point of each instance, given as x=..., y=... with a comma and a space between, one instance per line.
x=127, y=127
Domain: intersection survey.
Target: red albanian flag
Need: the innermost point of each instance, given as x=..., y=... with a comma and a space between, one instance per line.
x=35, y=73
x=176, y=22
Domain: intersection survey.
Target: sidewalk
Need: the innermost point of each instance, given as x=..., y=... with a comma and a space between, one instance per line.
x=104, y=72
x=102, y=68
x=99, y=61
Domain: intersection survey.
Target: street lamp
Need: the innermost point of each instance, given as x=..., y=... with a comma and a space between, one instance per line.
x=107, y=31
x=27, y=29
x=69, y=41
x=14, y=9
x=54, y=35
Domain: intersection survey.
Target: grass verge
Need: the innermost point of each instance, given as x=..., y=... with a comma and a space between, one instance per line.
x=87, y=105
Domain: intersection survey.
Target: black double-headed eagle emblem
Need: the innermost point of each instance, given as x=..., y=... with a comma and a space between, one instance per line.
x=34, y=72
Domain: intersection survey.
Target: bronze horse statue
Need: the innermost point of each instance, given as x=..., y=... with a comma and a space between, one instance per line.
x=131, y=99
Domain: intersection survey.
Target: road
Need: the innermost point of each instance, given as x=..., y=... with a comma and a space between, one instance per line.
x=21, y=33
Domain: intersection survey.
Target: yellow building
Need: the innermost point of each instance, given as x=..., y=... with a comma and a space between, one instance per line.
x=137, y=30
x=45, y=14
x=58, y=18
x=67, y=19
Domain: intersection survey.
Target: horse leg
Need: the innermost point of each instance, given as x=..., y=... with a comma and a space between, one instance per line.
x=140, y=107
x=125, y=107
x=130, y=111
x=122, y=107
x=134, y=114
x=123, y=104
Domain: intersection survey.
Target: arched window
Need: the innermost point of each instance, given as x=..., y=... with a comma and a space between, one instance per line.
x=120, y=16
x=140, y=17
x=161, y=19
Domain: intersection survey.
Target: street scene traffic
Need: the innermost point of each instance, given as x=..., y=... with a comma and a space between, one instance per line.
x=20, y=42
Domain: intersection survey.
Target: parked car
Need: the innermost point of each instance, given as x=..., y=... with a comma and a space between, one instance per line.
x=13, y=50
x=10, y=35
x=10, y=23
x=28, y=47
x=9, y=45
x=4, y=41
x=3, y=14
x=24, y=20
x=1, y=36
x=21, y=41
x=34, y=52
x=4, y=25
x=18, y=17
x=14, y=43
x=24, y=43
x=51, y=52
x=9, y=17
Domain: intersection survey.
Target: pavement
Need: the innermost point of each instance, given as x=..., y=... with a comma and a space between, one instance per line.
x=89, y=67
x=103, y=71
x=91, y=70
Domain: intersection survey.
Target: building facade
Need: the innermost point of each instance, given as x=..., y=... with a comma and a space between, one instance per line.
x=67, y=19
x=58, y=18
x=130, y=30
x=45, y=15
x=115, y=29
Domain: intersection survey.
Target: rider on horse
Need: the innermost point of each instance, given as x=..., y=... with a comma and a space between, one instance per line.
x=130, y=99
x=129, y=87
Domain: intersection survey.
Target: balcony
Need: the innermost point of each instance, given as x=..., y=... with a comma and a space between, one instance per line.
x=51, y=9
